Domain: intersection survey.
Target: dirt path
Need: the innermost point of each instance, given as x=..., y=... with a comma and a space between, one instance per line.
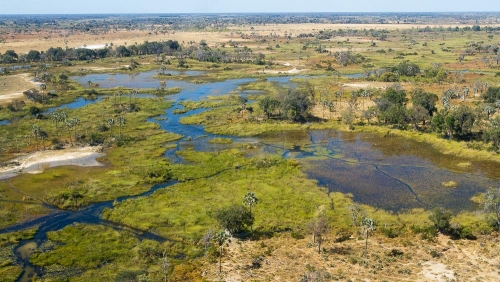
x=39, y=161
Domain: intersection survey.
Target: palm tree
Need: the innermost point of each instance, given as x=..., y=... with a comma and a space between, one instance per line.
x=163, y=68
x=250, y=200
x=120, y=121
x=120, y=93
x=43, y=87
x=489, y=110
x=221, y=239
x=111, y=122
x=365, y=94
x=367, y=226
x=132, y=92
x=69, y=123
x=89, y=83
x=35, y=131
x=54, y=116
x=43, y=136
x=135, y=94
x=338, y=96
x=75, y=121
x=63, y=116
x=164, y=264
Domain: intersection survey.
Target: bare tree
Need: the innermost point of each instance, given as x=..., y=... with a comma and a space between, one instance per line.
x=319, y=226
x=357, y=213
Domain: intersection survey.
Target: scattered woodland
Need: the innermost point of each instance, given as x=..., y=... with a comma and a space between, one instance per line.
x=240, y=214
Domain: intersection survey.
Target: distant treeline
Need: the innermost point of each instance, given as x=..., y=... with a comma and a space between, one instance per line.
x=83, y=54
x=201, y=52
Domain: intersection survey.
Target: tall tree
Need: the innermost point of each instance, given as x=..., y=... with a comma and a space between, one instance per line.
x=164, y=264
x=367, y=226
x=110, y=123
x=75, y=122
x=221, y=239
x=35, y=132
x=250, y=200
x=121, y=122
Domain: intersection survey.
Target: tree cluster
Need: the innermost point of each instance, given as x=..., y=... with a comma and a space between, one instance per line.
x=294, y=105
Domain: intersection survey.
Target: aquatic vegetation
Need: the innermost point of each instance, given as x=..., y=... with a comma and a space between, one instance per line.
x=221, y=141
x=139, y=156
x=217, y=180
x=9, y=270
x=193, y=105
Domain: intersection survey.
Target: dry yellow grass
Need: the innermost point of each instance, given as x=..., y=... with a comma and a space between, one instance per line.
x=13, y=86
x=45, y=39
x=288, y=259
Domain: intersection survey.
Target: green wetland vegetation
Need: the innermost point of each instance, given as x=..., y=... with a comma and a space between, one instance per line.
x=405, y=143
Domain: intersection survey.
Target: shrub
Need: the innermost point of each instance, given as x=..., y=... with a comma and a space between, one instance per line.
x=395, y=253
x=234, y=218
x=129, y=275
x=297, y=235
x=491, y=95
x=390, y=232
x=441, y=219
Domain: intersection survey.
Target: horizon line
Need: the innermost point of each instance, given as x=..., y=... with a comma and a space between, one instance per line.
x=268, y=12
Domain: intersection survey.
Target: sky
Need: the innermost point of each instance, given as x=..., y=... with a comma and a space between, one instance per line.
x=238, y=6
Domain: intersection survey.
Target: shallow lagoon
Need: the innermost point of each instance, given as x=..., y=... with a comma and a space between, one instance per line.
x=391, y=173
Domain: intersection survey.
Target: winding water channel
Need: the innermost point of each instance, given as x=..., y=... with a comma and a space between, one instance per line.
x=386, y=172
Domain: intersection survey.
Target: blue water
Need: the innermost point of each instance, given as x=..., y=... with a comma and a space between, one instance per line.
x=354, y=75
x=4, y=122
x=14, y=68
x=388, y=173
x=393, y=177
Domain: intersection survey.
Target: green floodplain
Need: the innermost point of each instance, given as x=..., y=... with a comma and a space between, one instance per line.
x=299, y=144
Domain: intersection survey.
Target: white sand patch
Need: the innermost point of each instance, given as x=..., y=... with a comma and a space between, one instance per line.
x=11, y=96
x=436, y=271
x=37, y=162
x=294, y=70
x=93, y=47
x=373, y=84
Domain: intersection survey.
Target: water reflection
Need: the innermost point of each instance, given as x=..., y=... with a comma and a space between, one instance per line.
x=386, y=172
x=390, y=173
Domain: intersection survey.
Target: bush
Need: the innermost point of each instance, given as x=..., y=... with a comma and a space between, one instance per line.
x=395, y=253
x=390, y=232
x=129, y=275
x=102, y=128
x=34, y=110
x=234, y=218
x=491, y=95
x=426, y=233
x=297, y=235
x=460, y=232
x=441, y=219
